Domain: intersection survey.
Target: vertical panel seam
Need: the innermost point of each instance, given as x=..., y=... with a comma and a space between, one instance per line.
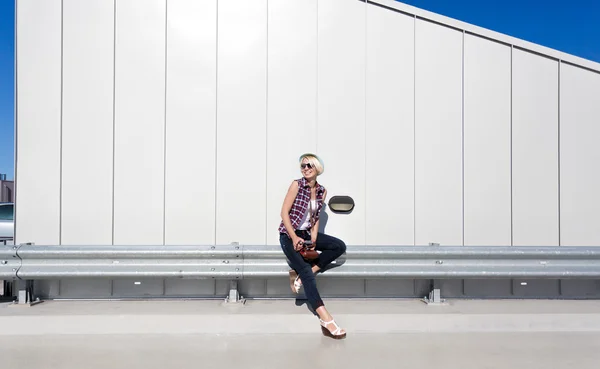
x=114, y=113
x=512, y=221
x=317, y=85
x=366, y=34
x=462, y=138
x=267, y=127
x=216, y=115
x=165, y=132
x=16, y=119
x=60, y=186
x=415, y=130
x=558, y=156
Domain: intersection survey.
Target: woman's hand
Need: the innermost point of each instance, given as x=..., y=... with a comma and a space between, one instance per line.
x=298, y=242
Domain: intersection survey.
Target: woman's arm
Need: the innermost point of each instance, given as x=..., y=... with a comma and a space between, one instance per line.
x=285, y=214
x=314, y=230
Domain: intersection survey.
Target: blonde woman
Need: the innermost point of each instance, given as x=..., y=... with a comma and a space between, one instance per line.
x=300, y=224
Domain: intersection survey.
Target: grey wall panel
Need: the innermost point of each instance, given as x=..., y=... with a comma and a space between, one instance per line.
x=341, y=287
x=535, y=150
x=292, y=99
x=327, y=288
x=221, y=287
x=138, y=287
x=89, y=288
x=390, y=288
x=189, y=287
x=579, y=156
x=580, y=288
x=279, y=288
x=47, y=288
x=389, y=128
x=451, y=287
x=139, y=121
x=39, y=121
x=241, y=121
x=191, y=122
x=536, y=287
x=87, y=122
x=438, y=134
x=487, y=186
x=341, y=112
x=252, y=287
x=487, y=288
x=422, y=287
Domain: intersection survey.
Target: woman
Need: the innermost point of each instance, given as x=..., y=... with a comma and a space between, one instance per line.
x=300, y=222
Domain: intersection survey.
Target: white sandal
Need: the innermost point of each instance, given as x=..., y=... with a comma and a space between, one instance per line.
x=295, y=281
x=297, y=284
x=335, y=334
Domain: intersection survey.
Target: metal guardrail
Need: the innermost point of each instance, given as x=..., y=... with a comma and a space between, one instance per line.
x=30, y=262
x=234, y=262
x=53, y=262
x=9, y=262
x=441, y=262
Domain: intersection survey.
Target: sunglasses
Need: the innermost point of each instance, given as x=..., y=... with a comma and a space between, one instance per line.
x=307, y=165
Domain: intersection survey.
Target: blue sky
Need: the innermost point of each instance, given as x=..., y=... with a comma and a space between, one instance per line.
x=7, y=43
x=572, y=27
x=569, y=26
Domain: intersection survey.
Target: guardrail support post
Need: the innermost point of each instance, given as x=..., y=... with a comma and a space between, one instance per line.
x=24, y=291
x=234, y=294
x=435, y=295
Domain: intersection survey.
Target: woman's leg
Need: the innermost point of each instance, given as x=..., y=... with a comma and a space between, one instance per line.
x=331, y=248
x=310, y=285
x=304, y=271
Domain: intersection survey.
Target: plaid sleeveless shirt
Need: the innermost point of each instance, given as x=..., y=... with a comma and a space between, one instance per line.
x=300, y=204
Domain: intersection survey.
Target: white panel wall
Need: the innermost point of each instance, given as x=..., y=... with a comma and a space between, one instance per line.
x=535, y=150
x=389, y=128
x=341, y=112
x=87, y=122
x=579, y=156
x=139, y=121
x=438, y=135
x=487, y=186
x=39, y=121
x=241, y=121
x=187, y=130
x=292, y=99
x=191, y=122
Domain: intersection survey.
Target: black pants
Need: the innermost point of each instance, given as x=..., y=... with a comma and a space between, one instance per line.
x=331, y=248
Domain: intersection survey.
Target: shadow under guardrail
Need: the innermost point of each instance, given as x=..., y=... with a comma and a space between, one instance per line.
x=6, y=294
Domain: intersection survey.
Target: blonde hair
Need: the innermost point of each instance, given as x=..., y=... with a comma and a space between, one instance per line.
x=314, y=161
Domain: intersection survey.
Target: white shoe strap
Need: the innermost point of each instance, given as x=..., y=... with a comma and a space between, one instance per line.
x=337, y=330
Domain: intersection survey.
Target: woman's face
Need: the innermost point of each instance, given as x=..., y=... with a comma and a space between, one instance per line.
x=308, y=171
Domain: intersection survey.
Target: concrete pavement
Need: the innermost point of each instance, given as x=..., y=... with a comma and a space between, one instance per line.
x=550, y=350
x=293, y=317
x=284, y=334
